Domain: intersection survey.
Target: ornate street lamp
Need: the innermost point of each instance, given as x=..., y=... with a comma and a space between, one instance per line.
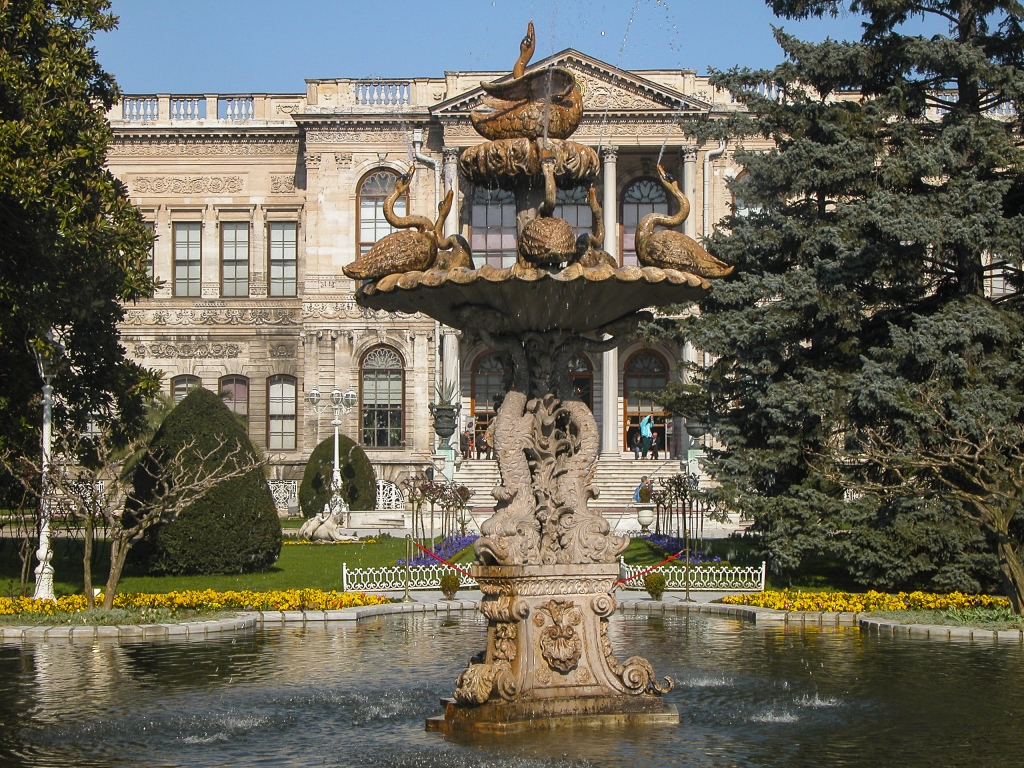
x=48, y=358
x=340, y=403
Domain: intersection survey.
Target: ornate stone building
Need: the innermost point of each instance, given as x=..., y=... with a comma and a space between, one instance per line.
x=257, y=201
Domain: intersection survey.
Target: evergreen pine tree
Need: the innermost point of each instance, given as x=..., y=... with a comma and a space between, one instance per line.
x=860, y=333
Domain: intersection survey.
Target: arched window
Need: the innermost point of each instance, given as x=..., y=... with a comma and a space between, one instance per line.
x=371, y=224
x=642, y=197
x=493, y=221
x=582, y=375
x=281, y=394
x=234, y=392
x=182, y=385
x=573, y=206
x=646, y=371
x=383, y=393
x=488, y=381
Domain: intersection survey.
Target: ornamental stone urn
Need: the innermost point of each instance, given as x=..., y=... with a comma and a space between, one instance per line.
x=446, y=419
x=644, y=516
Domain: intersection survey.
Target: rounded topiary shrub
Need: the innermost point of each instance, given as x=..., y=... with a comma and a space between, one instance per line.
x=234, y=527
x=358, y=483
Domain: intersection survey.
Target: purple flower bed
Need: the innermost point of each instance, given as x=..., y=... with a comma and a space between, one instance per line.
x=673, y=544
x=448, y=548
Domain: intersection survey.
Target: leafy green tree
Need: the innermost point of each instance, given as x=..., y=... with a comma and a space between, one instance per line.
x=865, y=256
x=72, y=246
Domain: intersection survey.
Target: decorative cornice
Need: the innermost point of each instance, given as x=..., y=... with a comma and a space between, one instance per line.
x=141, y=145
x=186, y=349
x=360, y=133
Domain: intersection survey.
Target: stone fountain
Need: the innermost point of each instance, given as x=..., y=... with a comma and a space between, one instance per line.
x=546, y=563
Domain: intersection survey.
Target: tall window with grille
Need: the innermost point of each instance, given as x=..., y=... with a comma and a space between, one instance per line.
x=234, y=392
x=573, y=206
x=488, y=381
x=493, y=220
x=182, y=385
x=642, y=197
x=283, y=258
x=373, y=189
x=646, y=375
x=187, y=237
x=234, y=258
x=281, y=393
x=383, y=394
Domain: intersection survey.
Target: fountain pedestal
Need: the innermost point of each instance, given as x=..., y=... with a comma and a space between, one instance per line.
x=549, y=659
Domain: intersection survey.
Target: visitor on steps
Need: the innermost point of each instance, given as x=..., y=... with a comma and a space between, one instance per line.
x=634, y=443
x=464, y=439
x=646, y=423
x=642, y=494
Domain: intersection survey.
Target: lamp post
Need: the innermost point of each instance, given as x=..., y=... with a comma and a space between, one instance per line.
x=340, y=403
x=46, y=360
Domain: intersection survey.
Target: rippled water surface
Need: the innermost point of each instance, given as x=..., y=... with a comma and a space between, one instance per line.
x=358, y=696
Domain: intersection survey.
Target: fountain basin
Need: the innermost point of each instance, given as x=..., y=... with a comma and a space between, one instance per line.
x=524, y=299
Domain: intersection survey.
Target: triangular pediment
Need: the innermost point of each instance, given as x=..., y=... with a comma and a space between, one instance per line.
x=605, y=88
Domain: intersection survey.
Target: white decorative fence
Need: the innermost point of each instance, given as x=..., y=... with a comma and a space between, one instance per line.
x=703, y=578
x=392, y=578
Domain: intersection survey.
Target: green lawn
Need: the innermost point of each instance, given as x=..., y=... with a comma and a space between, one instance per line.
x=300, y=566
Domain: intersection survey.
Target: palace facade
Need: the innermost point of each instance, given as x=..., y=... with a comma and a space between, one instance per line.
x=257, y=201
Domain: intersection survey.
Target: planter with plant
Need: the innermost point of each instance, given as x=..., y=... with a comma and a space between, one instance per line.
x=655, y=583
x=449, y=585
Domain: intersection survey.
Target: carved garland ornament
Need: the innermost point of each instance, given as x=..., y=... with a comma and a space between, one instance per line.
x=282, y=185
x=187, y=185
x=143, y=147
x=233, y=316
x=186, y=349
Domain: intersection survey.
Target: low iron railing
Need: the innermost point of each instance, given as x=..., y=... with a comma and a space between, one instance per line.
x=392, y=578
x=702, y=578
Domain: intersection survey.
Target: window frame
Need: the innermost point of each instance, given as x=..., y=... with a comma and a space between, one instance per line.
x=248, y=389
x=587, y=375
x=489, y=413
x=359, y=207
x=484, y=253
x=248, y=257
x=175, y=226
x=580, y=206
x=270, y=259
x=271, y=380
x=402, y=441
x=185, y=377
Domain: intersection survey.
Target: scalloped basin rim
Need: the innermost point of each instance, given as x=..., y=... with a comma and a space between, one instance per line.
x=578, y=299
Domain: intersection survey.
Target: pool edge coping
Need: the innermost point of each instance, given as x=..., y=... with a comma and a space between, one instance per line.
x=245, y=621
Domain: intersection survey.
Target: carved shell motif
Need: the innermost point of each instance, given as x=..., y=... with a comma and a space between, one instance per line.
x=560, y=643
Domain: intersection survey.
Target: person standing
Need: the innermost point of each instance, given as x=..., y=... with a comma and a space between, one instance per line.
x=646, y=434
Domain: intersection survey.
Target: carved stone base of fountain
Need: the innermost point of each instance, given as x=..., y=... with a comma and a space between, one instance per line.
x=549, y=660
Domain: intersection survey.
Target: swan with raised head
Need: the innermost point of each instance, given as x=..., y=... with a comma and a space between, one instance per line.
x=547, y=102
x=669, y=249
x=413, y=248
x=452, y=251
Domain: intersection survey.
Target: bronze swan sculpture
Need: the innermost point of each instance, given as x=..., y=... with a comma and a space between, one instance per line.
x=528, y=104
x=413, y=248
x=669, y=249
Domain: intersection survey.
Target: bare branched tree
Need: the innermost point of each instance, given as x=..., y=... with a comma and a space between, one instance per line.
x=974, y=466
x=91, y=477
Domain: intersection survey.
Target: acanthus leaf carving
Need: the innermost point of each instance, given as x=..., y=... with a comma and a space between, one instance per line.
x=186, y=185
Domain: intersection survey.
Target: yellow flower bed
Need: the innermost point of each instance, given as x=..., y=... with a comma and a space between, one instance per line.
x=861, y=602
x=207, y=599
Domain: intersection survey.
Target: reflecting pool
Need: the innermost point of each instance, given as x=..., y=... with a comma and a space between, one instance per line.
x=357, y=695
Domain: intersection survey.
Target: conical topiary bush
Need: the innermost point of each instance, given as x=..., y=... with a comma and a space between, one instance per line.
x=234, y=527
x=359, y=484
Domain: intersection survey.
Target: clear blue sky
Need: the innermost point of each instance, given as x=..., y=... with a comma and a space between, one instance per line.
x=238, y=46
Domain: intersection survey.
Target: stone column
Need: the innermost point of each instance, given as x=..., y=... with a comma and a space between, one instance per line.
x=611, y=445
x=689, y=155
x=451, y=182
